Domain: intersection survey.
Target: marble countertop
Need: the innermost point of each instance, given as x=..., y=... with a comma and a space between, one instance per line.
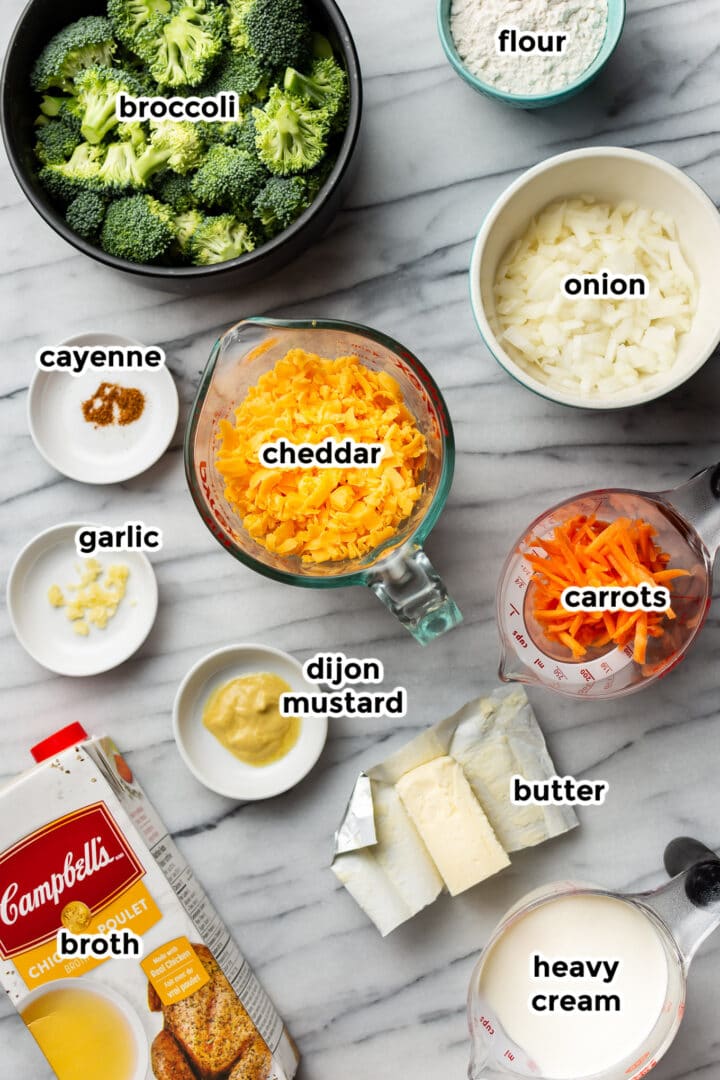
x=433, y=158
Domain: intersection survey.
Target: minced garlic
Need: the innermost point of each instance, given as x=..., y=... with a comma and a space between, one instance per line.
x=93, y=602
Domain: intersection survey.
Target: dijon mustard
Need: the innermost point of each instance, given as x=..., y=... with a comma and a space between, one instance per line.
x=244, y=716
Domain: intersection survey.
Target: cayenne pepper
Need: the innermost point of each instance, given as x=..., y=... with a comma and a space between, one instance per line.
x=113, y=404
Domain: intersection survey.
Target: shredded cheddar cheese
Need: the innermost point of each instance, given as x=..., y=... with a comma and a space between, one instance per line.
x=322, y=514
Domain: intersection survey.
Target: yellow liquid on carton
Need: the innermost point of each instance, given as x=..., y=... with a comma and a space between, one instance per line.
x=83, y=1035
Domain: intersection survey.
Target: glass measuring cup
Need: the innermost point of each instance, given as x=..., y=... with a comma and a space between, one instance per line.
x=687, y=521
x=398, y=571
x=681, y=914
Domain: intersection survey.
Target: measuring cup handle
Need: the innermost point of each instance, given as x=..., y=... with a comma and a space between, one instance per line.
x=684, y=852
x=698, y=502
x=410, y=587
x=702, y=869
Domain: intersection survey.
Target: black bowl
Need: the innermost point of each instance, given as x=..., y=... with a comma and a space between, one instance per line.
x=19, y=108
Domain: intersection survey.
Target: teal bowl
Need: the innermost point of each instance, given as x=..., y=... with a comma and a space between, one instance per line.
x=615, y=24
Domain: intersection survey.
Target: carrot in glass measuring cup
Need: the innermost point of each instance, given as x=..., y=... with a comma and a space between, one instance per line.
x=584, y=551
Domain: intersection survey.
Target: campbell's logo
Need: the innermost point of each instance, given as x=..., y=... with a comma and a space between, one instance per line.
x=82, y=856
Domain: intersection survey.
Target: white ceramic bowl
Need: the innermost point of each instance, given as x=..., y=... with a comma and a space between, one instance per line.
x=100, y=455
x=45, y=632
x=207, y=759
x=611, y=174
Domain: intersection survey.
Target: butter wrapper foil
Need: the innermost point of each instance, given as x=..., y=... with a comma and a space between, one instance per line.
x=357, y=830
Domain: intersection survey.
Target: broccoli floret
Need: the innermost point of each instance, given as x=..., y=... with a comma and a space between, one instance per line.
x=181, y=50
x=175, y=144
x=236, y=26
x=240, y=133
x=85, y=214
x=228, y=179
x=128, y=17
x=186, y=225
x=70, y=178
x=56, y=141
x=51, y=104
x=134, y=132
x=280, y=202
x=291, y=137
x=138, y=228
x=175, y=190
x=247, y=134
x=172, y=144
x=317, y=177
x=326, y=87
x=277, y=31
x=65, y=109
x=97, y=90
x=321, y=48
x=78, y=46
x=228, y=131
x=120, y=170
x=243, y=73
x=220, y=238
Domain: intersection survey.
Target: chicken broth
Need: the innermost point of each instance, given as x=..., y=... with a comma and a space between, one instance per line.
x=83, y=1035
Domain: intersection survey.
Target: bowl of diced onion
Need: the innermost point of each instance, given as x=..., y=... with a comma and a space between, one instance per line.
x=594, y=278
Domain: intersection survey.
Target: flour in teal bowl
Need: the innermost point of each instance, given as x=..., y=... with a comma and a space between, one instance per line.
x=528, y=47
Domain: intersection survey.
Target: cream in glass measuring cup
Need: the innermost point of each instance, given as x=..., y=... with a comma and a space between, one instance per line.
x=579, y=983
x=569, y=1025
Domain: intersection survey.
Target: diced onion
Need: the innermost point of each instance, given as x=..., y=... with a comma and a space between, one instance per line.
x=595, y=346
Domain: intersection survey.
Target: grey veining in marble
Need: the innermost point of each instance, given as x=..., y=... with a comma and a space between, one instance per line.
x=433, y=158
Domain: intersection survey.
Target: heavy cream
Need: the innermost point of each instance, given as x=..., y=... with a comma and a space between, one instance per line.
x=577, y=983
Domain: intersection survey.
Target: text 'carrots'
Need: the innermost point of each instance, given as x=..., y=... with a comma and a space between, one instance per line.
x=584, y=551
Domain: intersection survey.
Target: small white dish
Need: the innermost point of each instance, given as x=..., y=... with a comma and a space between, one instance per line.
x=47, y=634
x=612, y=174
x=97, y=455
x=208, y=760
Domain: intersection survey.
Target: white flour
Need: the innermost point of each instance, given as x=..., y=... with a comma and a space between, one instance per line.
x=475, y=24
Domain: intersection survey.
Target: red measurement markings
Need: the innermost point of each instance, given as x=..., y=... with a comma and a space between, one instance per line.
x=485, y=1023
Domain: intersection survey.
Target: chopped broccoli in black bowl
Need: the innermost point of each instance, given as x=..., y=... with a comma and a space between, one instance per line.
x=199, y=201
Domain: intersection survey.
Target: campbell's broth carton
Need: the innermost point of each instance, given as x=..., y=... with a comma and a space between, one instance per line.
x=110, y=950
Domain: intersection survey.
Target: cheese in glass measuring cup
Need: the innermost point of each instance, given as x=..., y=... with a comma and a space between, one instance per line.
x=578, y=983
x=686, y=525
x=398, y=570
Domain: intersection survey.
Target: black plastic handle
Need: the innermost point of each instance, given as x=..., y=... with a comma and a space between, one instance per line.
x=702, y=884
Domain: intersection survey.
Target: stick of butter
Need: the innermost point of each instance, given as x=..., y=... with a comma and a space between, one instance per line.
x=449, y=819
x=497, y=737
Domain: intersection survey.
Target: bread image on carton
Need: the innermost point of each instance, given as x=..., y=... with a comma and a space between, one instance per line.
x=83, y=851
x=210, y=1035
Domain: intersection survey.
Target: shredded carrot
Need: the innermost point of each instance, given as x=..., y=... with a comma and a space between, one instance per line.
x=583, y=552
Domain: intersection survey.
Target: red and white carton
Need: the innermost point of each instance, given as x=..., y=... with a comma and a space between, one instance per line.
x=83, y=854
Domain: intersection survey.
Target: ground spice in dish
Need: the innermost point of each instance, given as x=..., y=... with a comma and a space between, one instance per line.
x=114, y=404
